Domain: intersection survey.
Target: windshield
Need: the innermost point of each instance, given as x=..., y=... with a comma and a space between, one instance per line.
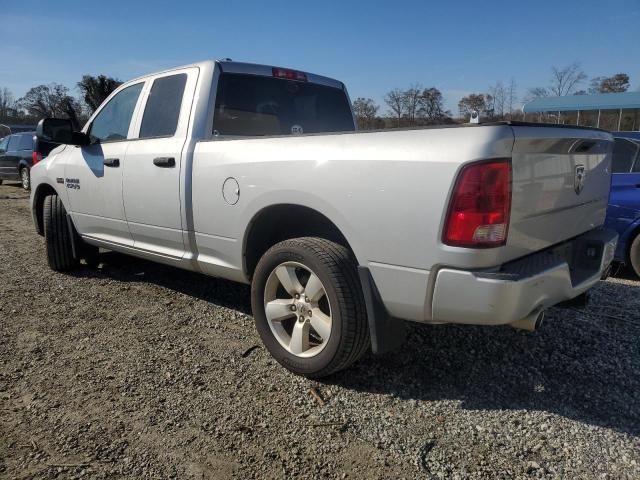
x=252, y=105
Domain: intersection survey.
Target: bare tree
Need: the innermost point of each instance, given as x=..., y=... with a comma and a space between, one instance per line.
x=365, y=110
x=395, y=101
x=512, y=97
x=411, y=99
x=565, y=80
x=536, y=92
x=6, y=102
x=51, y=100
x=498, y=98
x=432, y=106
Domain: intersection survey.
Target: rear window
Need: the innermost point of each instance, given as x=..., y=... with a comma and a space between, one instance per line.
x=26, y=142
x=624, y=153
x=252, y=105
x=163, y=106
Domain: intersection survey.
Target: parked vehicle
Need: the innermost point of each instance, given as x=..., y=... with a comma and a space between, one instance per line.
x=255, y=174
x=623, y=214
x=18, y=153
x=16, y=157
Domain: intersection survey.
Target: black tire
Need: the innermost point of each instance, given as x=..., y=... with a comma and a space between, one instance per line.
x=634, y=255
x=57, y=235
x=335, y=266
x=0, y=181
x=25, y=178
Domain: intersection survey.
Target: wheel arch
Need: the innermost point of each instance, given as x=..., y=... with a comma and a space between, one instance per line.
x=627, y=237
x=37, y=203
x=283, y=221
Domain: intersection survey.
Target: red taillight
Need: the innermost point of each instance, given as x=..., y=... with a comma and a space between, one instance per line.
x=289, y=74
x=479, y=208
x=35, y=157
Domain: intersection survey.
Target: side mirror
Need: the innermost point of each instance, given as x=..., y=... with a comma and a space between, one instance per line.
x=60, y=130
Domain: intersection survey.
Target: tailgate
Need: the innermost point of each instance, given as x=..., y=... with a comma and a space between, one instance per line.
x=561, y=181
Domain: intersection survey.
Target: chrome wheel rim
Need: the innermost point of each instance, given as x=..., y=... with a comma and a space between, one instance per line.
x=24, y=173
x=297, y=309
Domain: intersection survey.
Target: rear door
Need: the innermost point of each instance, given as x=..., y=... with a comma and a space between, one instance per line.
x=93, y=173
x=11, y=158
x=151, y=183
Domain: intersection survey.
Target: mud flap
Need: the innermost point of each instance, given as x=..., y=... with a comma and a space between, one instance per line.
x=387, y=333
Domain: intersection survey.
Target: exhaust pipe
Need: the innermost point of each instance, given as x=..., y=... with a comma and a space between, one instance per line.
x=531, y=322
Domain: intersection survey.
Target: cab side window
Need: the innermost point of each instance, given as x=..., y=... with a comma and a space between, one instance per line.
x=162, y=111
x=112, y=123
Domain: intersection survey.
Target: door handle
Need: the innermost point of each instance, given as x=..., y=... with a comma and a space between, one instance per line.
x=164, y=162
x=111, y=162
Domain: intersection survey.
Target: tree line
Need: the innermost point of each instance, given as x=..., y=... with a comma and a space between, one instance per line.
x=56, y=100
x=412, y=106
x=416, y=106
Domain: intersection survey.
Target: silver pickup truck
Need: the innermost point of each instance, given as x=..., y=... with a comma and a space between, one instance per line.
x=256, y=174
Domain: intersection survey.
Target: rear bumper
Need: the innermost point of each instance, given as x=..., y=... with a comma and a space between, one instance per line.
x=525, y=286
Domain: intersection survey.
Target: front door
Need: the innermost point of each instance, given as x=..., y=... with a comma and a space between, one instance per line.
x=151, y=184
x=93, y=173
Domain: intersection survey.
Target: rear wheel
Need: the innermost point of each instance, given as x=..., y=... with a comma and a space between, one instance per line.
x=57, y=235
x=634, y=254
x=309, y=307
x=25, y=178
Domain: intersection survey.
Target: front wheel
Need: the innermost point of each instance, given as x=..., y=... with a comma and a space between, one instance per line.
x=308, y=306
x=25, y=178
x=57, y=235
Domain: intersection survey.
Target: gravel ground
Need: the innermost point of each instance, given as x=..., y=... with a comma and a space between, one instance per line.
x=136, y=370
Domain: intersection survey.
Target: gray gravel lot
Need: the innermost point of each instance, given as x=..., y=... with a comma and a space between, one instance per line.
x=137, y=370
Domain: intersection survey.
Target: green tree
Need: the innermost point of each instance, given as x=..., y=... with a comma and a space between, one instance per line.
x=475, y=101
x=95, y=90
x=614, y=84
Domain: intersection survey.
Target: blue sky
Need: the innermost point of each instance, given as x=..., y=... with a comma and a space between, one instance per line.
x=373, y=46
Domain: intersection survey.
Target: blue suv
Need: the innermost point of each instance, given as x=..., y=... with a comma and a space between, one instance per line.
x=623, y=213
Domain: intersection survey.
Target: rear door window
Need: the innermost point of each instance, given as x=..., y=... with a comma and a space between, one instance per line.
x=162, y=111
x=253, y=105
x=624, y=153
x=26, y=142
x=112, y=122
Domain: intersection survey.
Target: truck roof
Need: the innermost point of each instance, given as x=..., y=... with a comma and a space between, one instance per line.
x=230, y=66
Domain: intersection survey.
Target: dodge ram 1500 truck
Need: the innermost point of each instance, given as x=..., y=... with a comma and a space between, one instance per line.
x=256, y=174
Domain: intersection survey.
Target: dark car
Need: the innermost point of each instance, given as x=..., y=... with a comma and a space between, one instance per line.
x=623, y=213
x=18, y=153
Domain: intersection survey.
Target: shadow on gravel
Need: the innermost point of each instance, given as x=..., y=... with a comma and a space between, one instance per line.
x=583, y=365
x=124, y=268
